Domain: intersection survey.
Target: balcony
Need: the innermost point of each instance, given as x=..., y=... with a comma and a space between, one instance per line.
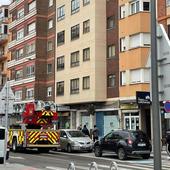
x=3, y=38
x=16, y=42
x=14, y=4
x=20, y=20
x=13, y=63
x=22, y=81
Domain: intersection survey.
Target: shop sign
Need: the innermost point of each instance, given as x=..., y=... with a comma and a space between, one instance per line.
x=62, y=108
x=167, y=115
x=143, y=98
x=128, y=106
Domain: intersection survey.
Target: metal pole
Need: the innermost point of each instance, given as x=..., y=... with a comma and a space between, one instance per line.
x=155, y=96
x=6, y=120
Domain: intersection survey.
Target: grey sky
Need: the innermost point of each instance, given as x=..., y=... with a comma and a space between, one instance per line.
x=4, y=2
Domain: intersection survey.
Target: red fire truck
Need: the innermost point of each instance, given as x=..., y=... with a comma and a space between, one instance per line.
x=36, y=129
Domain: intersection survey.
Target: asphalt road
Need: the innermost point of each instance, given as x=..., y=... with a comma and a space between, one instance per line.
x=82, y=161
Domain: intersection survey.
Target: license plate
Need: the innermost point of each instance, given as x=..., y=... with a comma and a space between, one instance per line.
x=141, y=144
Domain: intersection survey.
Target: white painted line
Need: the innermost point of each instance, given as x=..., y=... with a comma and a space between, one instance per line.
x=16, y=157
x=54, y=168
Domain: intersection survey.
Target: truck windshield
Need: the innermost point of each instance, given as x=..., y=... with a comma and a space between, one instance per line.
x=2, y=134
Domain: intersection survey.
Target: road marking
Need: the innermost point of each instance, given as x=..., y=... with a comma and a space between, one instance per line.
x=54, y=168
x=16, y=157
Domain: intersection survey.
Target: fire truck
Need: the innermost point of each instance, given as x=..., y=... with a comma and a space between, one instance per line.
x=36, y=128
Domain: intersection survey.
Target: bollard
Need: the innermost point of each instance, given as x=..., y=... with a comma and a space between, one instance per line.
x=71, y=166
x=113, y=166
x=93, y=165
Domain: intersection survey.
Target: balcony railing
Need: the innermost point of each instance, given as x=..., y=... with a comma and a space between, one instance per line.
x=16, y=42
x=20, y=20
x=3, y=37
x=14, y=4
x=12, y=63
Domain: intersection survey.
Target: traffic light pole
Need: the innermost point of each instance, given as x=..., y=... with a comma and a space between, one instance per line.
x=155, y=95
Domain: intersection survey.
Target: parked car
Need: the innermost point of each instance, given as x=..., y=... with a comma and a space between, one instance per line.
x=2, y=144
x=124, y=143
x=75, y=140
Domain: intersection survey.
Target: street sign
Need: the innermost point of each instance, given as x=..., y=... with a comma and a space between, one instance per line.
x=167, y=106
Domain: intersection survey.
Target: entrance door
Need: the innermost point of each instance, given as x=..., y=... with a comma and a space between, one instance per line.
x=131, y=121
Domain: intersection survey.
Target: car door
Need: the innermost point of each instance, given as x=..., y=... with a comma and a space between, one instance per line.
x=108, y=142
x=63, y=140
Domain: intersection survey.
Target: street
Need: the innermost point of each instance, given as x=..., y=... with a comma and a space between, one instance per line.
x=60, y=161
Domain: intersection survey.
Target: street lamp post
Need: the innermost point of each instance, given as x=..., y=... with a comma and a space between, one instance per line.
x=155, y=95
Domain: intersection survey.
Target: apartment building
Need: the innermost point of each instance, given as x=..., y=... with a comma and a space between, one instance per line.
x=134, y=40
x=87, y=61
x=3, y=44
x=32, y=49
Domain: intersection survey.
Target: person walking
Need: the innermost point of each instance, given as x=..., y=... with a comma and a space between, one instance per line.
x=95, y=133
x=85, y=130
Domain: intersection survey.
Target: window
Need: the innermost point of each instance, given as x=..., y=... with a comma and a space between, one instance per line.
x=86, y=26
x=146, y=6
x=49, y=68
x=111, y=80
x=19, y=53
x=50, y=3
x=75, y=32
x=111, y=51
x=60, y=63
x=60, y=88
x=60, y=38
x=32, y=6
x=167, y=2
x=135, y=76
x=30, y=71
x=31, y=28
x=20, y=34
x=20, y=13
x=5, y=29
x=74, y=86
x=134, y=7
x=49, y=45
x=122, y=44
x=85, y=2
x=2, y=134
x=86, y=82
x=18, y=74
x=75, y=59
x=18, y=95
x=110, y=22
x=6, y=13
x=50, y=24
x=30, y=93
x=122, y=11
x=30, y=49
x=49, y=91
x=75, y=5
x=86, y=54
x=123, y=78
x=60, y=13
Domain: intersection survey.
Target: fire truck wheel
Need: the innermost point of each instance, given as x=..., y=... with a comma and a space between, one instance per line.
x=14, y=145
x=69, y=149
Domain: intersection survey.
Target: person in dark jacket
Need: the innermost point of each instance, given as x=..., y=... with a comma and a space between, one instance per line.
x=85, y=130
x=95, y=133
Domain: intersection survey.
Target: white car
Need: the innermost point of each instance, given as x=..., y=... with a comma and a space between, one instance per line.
x=75, y=140
x=2, y=144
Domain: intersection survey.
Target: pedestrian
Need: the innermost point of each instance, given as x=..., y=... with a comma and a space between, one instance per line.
x=95, y=133
x=85, y=130
x=79, y=127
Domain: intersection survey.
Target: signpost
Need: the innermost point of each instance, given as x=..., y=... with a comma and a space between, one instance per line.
x=6, y=107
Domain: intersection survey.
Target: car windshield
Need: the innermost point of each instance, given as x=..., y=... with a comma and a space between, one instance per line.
x=138, y=134
x=75, y=134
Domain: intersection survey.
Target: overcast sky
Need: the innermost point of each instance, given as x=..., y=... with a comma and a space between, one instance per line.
x=4, y=2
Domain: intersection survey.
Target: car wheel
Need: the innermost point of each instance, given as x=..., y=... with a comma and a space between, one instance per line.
x=97, y=151
x=122, y=154
x=69, y=149
x=14, y=145
x=146, y=156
